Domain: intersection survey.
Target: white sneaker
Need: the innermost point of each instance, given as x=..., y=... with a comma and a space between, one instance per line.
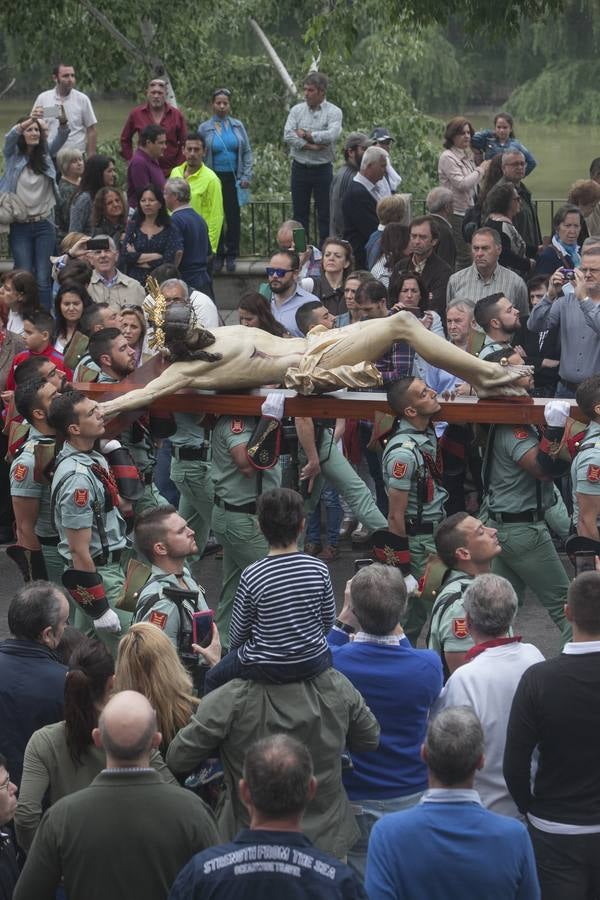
x=361, y=534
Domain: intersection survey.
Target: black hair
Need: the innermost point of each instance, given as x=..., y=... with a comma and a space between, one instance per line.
x=26, y=397
x=62, y=411
x=41, y=321
x=397, y=393
x=150, y=133
x=69, y=287
x=485, y=309
x=93, y=174
x=280, y=513
x=101, y=342
x=304, y=315
x=90, y=668
x=163, y=217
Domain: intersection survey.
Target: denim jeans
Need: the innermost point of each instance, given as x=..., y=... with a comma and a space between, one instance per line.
x=162, y=474
x=333, y=515
x=315, y=180
x=564, y=392
x=230, y=667
x=367, y=812
x=32, y=244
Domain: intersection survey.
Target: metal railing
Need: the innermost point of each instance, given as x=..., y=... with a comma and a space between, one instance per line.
x=262, y=218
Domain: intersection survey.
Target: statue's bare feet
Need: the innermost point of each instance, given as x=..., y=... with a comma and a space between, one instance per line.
x=499, y=380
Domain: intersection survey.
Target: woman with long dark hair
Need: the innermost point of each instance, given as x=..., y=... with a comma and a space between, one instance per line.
x=150, y=239
x=62, y=758
x=109, y=214
x=394, y=248
x=99, y=171
x=69, y=305
x=255, y=312
x=502, y=204
x=29, y=174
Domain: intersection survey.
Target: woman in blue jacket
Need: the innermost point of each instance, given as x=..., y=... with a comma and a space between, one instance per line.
x=228, y=153
x=30, y=174
x=501, y=138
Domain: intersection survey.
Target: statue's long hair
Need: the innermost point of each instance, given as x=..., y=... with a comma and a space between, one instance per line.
x=184, y=339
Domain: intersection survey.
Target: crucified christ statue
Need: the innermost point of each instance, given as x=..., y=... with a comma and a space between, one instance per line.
x=235, y=357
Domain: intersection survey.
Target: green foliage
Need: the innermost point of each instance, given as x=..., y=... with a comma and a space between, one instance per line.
x=562, y=92
x=432, y=73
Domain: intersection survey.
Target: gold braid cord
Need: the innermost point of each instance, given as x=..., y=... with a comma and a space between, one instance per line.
x=155, y=310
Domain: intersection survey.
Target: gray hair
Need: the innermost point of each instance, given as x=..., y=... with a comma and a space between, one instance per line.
x=492, y=231
x=277, y=770
x=370, y=155
x=454, y=745
x=65, y=157
x=378, y=597
x=319, y=79
x=179, y=188
x=591, y=245
x=490, y=604
x=171, y=282
x=462, y=303
x=34, y=607
x=438, y=198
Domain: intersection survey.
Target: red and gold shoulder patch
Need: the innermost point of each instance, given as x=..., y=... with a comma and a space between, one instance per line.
x=81, y=497
x=158, y=618
x=20, y=472
x=520, y=433
x=459, y=628
x=593, y=474
x=237, y=426
x=400, y=469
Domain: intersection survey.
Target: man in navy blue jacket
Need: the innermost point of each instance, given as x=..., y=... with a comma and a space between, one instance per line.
x=32, y=681
x=193, y=264
x=399, y=685
x=271, y=858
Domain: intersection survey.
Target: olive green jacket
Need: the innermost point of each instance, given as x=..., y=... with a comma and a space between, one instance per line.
x=326, y=713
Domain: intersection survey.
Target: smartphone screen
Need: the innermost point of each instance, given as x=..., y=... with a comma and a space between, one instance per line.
x=52, y=112
x=361, y=563
x=202, y=627
x=585, y=561
x=299, y=238
x=97, y=244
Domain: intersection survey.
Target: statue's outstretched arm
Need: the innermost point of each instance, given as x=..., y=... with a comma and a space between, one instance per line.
x=168, y=382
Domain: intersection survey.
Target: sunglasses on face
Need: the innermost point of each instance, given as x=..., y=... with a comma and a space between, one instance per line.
x=278, y=272
x=225, y=91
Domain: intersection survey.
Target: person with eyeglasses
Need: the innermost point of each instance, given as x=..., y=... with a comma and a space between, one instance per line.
x=9, y=870
x=156, y=111
x=514, y=168
x=228, y=153
x=573, y=304
x=286, y=294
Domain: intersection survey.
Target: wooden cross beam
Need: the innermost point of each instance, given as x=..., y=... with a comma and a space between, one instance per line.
x=341, y=404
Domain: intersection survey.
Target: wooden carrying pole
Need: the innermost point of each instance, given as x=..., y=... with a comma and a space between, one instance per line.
x=342, y=405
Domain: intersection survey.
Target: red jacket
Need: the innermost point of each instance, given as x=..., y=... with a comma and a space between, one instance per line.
x=175, y=128
x=50, y=352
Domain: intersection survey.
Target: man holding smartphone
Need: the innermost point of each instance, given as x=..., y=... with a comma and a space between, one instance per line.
x=77, y=107
x=585, y=469
x=170, y=596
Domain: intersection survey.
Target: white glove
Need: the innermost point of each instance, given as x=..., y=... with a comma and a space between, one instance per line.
x=107, y=446
x=108, y=622
x=556, y=412
x=273, y=405
x=411, y=584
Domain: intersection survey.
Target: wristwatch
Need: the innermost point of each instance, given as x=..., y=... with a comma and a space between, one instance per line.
x=344, y=627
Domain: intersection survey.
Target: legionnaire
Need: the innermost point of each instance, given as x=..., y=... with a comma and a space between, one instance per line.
x=95, y=318
x=518, y=472
x=500, y=320
x=110, y=351
x=466, y=547
x=84, y=504
x=170, y=595
x=585, y=469
x=237, y=484
x=191, y=473
x=36, y=552
x=412, y=474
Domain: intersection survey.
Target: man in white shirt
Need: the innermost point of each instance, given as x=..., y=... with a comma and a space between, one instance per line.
x=489, y=677
x=311, y=130
x=78, y=109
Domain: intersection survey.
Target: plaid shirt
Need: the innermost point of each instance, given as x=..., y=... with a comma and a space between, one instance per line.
x=397, y=362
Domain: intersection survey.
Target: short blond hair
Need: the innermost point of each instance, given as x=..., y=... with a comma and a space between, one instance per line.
x=65, y=157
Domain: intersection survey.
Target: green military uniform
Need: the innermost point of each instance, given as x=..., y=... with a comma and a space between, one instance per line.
x=448, y=631
x=515, y=504
x=165, y=602
x=585, y=468
x=191, y=474
x=336, y=469
x=84, y=369
x=234, y=515
x=409, y=464
x=138, y=440
x=31, y=476
x=491, y=346
x=79, y=500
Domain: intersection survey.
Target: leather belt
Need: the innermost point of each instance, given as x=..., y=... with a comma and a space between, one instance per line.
x=248, y=508
x=412, y=528
x=191, y=453
x=113, y=557
x=530, y=515
x=147, y=477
